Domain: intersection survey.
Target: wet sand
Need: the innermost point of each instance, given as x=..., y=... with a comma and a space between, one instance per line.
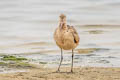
x=84, y=73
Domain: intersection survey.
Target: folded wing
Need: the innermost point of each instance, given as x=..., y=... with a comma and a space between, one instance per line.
x=74, y=33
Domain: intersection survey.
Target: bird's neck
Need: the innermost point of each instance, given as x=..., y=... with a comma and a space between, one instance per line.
x=62, y=25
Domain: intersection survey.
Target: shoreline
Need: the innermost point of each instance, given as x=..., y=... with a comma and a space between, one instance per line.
x=82, y=73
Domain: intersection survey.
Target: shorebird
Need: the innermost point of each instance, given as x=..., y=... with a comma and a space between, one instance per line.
x=66, y=37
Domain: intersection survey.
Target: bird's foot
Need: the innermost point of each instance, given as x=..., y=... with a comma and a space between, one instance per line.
x=58, y=71
x=71, y=71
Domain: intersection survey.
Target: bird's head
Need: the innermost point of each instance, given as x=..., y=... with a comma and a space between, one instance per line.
x=62, y=18
x=62, y=24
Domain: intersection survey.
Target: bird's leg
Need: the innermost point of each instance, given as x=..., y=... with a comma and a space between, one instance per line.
x=60, y=60
x=72, y=60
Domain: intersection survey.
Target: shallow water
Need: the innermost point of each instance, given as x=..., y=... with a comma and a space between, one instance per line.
x=26, y=28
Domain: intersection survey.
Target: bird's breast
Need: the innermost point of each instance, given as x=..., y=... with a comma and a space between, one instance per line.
x=65, y=40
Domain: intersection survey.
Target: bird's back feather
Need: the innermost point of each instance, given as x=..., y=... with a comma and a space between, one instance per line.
x=74, y=33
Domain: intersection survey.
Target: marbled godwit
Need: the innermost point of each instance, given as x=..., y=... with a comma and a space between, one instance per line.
x=66, y=38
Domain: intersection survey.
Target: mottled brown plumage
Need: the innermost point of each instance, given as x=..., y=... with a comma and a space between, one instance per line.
x=66, y=37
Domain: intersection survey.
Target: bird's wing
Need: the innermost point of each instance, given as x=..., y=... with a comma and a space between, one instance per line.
x=75, y=34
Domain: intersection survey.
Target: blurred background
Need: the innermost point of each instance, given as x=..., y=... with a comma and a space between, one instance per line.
x=23, y=21
x=27, y=26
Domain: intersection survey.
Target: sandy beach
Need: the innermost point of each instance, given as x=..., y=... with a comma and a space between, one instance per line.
x=83, y=73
